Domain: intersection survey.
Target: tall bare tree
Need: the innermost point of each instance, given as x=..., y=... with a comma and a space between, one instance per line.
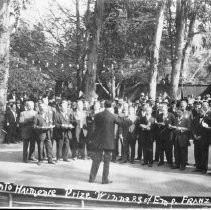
x=89, y=82
x=180, y=32
x=188, y=45
x=78, y=39
x=156, y=49
x=4, y=58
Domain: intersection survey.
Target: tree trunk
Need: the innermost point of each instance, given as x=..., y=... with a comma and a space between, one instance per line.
x=180, y=31
x=113, y=86
x=187, y=49
x=89, y=85
x=155, y=56
x=170, y=32
x=78, y=39
x=4, y=60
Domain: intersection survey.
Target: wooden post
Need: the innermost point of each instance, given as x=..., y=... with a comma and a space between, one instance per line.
x=82, y=204
x=10, y=200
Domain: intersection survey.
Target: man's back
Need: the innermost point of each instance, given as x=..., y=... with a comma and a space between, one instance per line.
x=104, y=130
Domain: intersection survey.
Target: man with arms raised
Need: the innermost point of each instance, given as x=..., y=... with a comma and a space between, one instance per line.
x=104, y=141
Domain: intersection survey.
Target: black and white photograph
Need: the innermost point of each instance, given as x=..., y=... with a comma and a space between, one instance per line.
x=105, y=104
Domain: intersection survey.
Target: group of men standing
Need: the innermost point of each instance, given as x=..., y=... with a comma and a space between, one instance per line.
x=102, y=128
x=171, y=126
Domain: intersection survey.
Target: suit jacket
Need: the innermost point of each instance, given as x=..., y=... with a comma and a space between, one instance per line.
x=164, y=132
x=26, y=122
x=104, y=130
x=10, y=118
x=58, y=120
x=124, y=126
x=40, y=121
x=182, y=138
x=149, y=134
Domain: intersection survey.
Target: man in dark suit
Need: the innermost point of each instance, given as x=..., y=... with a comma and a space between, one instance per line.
x=182, y=133
x=164, y=120
x=206, y=133
x=63, y=121
x=197, y=132
x=11, y=122
x=104, y=141
x=42, y=127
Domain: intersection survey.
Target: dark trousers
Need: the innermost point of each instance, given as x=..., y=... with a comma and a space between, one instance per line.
x=96, y=160
x=140, y=146
x=11, y=133
x=125, y=148
x=48, y=146
x=74, y=144
x=147, y=148
x=28, y=143
x=180, y=154
x=167, y=147
x=198, y=153
x=205, y=153
x=62, y=147
x=115, y=153
x=74, y=147
x=157, y=150
x=132, y=145
x=82, y=144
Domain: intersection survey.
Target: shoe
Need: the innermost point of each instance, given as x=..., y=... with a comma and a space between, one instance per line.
x=204, y=171
x=59, y=159
x=160, y=163
x=169, y=165
x=25, y=161
x=39, y=163
x=123, y=161
x=175, y=167
x=182, y=168
x=107, y=182
x=150, y=165
x=197, y=170
x=91, y=181
x=119, y=158
x=33, y=159
x=143, y=164
x=51, y=162
x=132, y=162
x=74, y=158
x=66, y=160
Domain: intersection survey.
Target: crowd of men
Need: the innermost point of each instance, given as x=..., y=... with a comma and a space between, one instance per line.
x=72, y=127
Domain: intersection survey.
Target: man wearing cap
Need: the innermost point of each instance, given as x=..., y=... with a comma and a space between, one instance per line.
x=104, y=142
